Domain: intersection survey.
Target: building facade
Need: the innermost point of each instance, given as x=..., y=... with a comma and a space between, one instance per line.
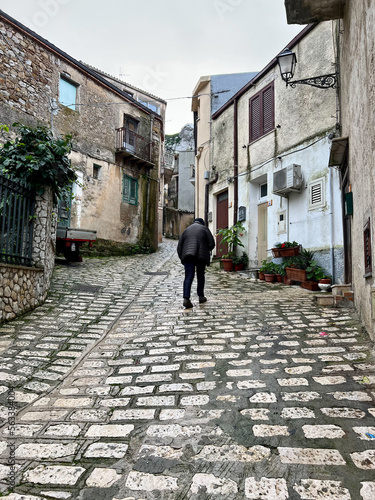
x=117, y=139
x=352, y=152
x=270, y=147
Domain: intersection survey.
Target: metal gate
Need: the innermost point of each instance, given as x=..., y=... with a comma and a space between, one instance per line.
x=17, y=205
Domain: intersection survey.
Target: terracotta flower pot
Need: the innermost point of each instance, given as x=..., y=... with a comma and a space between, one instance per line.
x=227, y=264
x=269, y=278
x=276, y=252
x=310, y=285
x=261, y=275
x=296, y=274
x=238, y=267
x=289, y=252
x=279, y=278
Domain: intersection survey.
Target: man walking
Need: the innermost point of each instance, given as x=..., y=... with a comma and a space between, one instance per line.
x=194, y=247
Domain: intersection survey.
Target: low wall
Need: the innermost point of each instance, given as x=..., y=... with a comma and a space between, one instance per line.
x=24, y=288
x=176, y=221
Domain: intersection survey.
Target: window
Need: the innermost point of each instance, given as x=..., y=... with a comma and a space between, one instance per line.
x=130, y=190
x=263, y=190
x=97, y=172
x=68, y=93
x=262, y=113
x=317, y=194
x=367, y=247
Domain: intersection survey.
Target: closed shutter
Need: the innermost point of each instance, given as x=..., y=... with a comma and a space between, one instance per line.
x=268, y=114
x=367, y=247
x=255, y=130
x=262, y=113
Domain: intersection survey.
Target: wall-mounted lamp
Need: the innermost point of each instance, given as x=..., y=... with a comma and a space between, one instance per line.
x=287, y=61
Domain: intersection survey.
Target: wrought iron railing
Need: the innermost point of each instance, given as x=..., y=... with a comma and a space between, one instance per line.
x=17, y=205
x=130, y=142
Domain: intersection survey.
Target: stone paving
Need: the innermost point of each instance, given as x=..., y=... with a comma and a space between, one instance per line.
x=121, y=394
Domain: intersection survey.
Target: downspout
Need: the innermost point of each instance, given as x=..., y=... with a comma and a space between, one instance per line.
x=235, y=160
x=207, y=187
x=332, y=255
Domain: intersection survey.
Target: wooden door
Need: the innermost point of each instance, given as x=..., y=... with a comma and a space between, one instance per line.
x=262, y=232
x=221, y=222
x=347, y=225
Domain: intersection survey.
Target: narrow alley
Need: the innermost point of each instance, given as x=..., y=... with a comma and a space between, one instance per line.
x=123, y=394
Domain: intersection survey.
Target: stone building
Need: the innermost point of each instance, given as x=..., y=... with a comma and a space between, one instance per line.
x=118, y=132
x=269, y=160
x=179, y=191
x=352, y=151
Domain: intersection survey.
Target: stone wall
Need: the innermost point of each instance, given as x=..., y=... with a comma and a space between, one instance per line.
x=24, y=288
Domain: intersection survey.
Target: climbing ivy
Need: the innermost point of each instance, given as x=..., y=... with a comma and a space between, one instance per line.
x=39, y=159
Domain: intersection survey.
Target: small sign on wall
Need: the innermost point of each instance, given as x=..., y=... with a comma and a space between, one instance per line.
x=242, y=214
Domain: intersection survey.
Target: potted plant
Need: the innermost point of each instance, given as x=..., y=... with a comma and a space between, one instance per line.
x=296, y=266
x=262, y=269
x=280, y=272
x=231, y=236
x=240, y=262
x=287, y=249
x=317, y=274
x=269, y=272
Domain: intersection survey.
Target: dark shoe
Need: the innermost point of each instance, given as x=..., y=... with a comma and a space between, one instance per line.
x=188, y=304
x=202, y=299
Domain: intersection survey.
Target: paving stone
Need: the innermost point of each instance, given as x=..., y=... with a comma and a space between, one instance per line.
x=140, y=481
x=364, y=459
x=272, y=489
x=110, y=430
x=368, y=490
x=322, y=431
x=53, y=474
x=233, y=453
x=45, y=451
x=212, y=485
x=106, y=450
x=102, y=478
x=310, y=456
x=312, y=489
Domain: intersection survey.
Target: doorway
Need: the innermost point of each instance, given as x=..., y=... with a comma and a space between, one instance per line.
x=262, y=232
x=221, y=222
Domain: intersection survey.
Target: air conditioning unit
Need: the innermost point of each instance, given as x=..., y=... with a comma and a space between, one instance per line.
x=287, y=180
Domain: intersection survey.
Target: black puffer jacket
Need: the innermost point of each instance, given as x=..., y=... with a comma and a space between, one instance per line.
x=197, y=242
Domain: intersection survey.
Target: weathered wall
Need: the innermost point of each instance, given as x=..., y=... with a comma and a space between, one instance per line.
x=358, y=118
x=24, y=288
x=29, y=77
x=202, y=105
x=186, y=189
x=176, y=221
x=303, y=116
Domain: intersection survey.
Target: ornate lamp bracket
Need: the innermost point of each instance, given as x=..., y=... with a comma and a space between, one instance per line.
x=321, y=82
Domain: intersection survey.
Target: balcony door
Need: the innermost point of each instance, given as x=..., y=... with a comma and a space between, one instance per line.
x=130, y=126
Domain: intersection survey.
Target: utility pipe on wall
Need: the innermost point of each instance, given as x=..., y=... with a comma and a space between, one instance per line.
x=235, y=160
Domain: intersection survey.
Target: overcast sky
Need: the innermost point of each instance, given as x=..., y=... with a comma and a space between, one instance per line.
x=162, y=46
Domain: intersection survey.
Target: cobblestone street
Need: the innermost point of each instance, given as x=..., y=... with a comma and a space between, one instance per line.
x=123, y=394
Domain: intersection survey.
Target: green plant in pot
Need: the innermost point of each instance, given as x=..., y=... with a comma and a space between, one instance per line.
x=240, y=261
x=231, y=236
x=315, y=272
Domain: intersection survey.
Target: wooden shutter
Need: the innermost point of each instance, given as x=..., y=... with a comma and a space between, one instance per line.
x=367, y=247
x=268, y=109
x=125, y=189
x=255, y=130
x=262, y=113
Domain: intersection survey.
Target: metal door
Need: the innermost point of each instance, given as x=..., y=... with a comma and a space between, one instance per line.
x=221, y=222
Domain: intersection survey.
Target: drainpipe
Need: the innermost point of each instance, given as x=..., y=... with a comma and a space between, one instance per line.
x=208, y=184
x=235, y=160
x=332, y=256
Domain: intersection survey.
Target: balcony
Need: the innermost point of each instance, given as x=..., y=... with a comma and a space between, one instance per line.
x=131, y=145
x=310, y=11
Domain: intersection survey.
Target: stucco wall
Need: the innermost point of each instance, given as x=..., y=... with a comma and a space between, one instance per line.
x=358, y=118
x=185, y=189
x=304, y=117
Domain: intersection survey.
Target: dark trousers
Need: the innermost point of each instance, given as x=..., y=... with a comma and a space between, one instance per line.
x=191, y=266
